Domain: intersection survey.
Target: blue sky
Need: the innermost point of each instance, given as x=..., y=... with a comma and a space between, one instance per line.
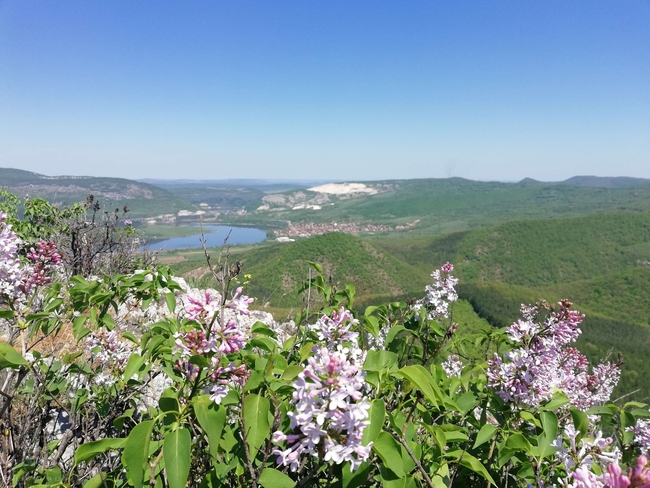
x=326, y=90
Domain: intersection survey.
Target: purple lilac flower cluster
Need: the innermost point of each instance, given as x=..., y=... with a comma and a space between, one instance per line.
x=16, y=278
x=636, y=477
x=222, y=339
x=542, y=362
x=442, y=293
x=331, y=410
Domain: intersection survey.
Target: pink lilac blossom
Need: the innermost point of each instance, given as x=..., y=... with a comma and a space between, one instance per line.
x=636, y=477
x=442, y=293
x=222, y=340
x=43, y=257
x=204, y=307
x=331, y=410
x=240, y=302
x=224, y=378
x=542, y=362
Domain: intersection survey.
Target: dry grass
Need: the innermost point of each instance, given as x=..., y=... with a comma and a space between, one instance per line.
x=56, y=345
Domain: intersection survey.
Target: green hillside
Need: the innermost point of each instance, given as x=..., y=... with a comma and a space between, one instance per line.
x=536, y=252
x=279, y=270
x=143, y=199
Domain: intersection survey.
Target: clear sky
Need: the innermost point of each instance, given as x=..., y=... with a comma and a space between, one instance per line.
x=326, y=89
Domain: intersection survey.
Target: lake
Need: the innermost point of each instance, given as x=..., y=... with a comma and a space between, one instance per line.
x=214, y=238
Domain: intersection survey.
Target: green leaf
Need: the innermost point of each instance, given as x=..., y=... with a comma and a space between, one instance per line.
x=393, y=332
x=262, y=328
x=470, y=462
x=558, y=400
x=264, y=343
x=484, y=435
x=132, y=366
x=422, y=380
x=316, y=266
x=549, y=426
x=518, y=442
x=390, y=453
x=256, y=418
x=89, y=450
x=355, y=479
x=380, y=360
x=211, y=418
x=6, y=314
x=292, y=371
x=580, y=421
x=170, y=299
x=176, y=453
x=641, y=413
x=100, y=480
x=599, y=410
x=10, y=358
x=272, y=478
x=377, y=415
x=136, y=452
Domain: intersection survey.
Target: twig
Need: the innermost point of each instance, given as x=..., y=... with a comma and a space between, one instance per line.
x=307, y=478
x=421, y=469
x=152, y=469
x=249, y=463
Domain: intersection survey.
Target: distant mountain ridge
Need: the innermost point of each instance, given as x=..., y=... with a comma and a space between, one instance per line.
x=142, y=198
x=589, y=181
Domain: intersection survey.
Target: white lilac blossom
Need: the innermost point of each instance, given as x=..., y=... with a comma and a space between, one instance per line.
x=452, y=366
x=543, y=362
x=336, y=328
x=440, y=296
x=442, y=293
x=641, y=432
x=598, y=451
x=109, y=355
x=11, y=272
x=331, y=411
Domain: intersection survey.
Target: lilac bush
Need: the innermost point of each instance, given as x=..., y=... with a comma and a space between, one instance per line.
x=162, y=385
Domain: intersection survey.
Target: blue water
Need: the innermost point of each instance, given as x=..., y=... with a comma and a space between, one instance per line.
x=238, y=235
